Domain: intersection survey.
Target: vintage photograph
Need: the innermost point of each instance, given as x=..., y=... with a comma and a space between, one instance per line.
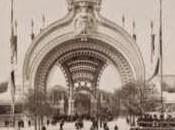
x=87, y=65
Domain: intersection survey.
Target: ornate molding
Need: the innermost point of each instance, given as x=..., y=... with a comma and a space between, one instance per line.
x=85, y=19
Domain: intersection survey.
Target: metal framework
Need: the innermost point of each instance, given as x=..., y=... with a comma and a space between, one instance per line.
x=82, y=45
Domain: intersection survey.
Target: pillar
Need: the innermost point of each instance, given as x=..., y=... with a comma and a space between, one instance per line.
x=93, y=106
x=62, y=104
x=71, y=102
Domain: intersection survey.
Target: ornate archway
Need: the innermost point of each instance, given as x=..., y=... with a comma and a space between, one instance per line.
x=77, y=57
x=82, y=45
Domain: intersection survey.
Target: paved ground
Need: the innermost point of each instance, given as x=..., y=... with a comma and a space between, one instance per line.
x=70, y=126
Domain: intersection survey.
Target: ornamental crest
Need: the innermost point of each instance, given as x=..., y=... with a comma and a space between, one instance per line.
x=84, y=21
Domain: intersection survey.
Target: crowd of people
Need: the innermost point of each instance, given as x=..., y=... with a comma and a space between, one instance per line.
x=97, y=123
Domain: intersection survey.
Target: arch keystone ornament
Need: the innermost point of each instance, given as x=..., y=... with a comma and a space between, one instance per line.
x=82, y=44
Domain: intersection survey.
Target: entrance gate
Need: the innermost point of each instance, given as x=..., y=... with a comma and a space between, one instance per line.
x=82, y=45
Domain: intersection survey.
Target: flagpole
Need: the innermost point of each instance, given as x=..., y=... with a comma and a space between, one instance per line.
x=12, y=65
x=11, y=14
x=161, y=56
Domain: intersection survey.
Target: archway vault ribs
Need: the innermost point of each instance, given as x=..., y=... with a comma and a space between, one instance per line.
x=83, y=61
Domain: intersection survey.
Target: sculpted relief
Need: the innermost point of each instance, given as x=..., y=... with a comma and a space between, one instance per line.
x=84, y=21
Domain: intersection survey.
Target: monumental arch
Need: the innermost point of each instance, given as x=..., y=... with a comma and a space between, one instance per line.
x=82, y=44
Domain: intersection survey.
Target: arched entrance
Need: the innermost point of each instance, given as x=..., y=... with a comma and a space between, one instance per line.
x=83, y=103
x=82, y=45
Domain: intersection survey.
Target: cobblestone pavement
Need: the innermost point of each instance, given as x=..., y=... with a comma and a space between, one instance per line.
x=70, y=126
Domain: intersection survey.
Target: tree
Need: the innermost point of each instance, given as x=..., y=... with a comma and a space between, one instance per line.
x=138, y=97
x=151, y=98
x=130, y=98
x=37, y=105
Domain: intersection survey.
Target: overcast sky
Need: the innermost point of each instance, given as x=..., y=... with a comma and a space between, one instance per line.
x=142, y=11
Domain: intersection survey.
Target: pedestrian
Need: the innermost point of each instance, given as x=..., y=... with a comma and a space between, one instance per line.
x=6, y=123
x=19, y=124
x=115, y=127
x=106, y=127
x=29, y=123
x=81, y=123
x=61, y=124
x=101, y=122
x=95, y=123
x=77, y=125
x=127, y=120
x=22, y=123
x=92, y=127
x=48, y=122
x=43, y=128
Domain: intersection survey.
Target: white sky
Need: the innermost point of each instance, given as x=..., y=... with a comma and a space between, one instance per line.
x=142, y=11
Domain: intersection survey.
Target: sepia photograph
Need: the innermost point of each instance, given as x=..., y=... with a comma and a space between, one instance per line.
x=87, y=65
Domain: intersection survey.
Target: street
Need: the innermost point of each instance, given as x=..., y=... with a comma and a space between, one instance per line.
x=121, y=123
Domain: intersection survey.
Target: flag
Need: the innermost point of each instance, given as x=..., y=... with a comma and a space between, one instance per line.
x=12, y=13
x=156, y=71
x=152, y=41
x=13, y=39
x=123, y=21
x=160, y=31
x=13, y=44
x=32, y=33
x=32, y=36
x=160, y=44
x=43, y=20
x=152, y=46
x=13, y=81
x=134, y=35
x=43, y=23
x=13, y=86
